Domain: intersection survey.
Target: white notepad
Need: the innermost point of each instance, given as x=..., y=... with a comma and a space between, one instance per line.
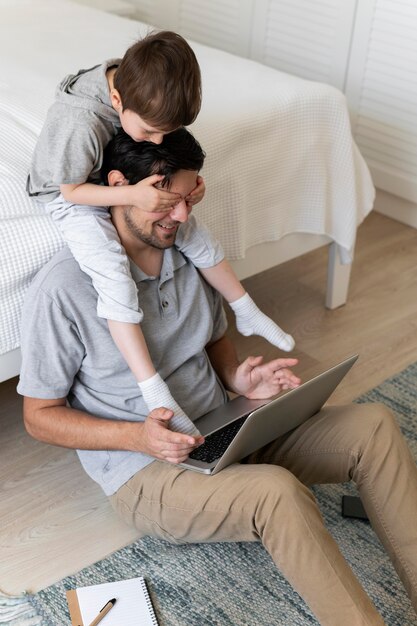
x=133, y=605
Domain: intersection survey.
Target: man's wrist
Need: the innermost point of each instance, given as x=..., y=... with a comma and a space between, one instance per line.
x=229, y=377
x=224, y=359
x=131, y=436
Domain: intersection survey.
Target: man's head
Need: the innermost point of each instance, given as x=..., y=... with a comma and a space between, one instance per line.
x=178, y=158
x=157, y=86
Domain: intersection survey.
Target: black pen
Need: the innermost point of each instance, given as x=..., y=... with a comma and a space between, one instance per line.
x=103, y=612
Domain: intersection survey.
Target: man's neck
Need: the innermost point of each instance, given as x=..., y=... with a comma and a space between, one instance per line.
x=146, y=257
x=149, y=260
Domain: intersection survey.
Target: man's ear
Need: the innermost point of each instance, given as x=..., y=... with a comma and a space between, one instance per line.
x=116, y=100
x=116, y=178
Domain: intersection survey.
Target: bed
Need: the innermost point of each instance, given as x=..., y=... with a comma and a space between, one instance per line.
x=283, y=174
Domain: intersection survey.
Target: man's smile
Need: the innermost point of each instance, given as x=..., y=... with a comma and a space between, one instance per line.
x=168, y=228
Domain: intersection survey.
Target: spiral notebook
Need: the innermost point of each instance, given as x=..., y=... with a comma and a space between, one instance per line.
x=133, y=606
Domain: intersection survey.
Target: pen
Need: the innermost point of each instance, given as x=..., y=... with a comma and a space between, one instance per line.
x=103, y=612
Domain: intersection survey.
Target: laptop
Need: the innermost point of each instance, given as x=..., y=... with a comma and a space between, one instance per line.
x=241, y=426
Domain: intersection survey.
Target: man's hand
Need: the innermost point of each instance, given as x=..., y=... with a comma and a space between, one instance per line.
x=197, y=193
x=166, y=445
x=147, y=197
x=257, y=380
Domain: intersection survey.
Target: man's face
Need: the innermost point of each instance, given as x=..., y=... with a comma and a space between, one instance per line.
x=159, y=229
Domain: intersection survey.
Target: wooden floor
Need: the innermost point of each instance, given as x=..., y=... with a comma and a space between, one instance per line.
x=54, y=520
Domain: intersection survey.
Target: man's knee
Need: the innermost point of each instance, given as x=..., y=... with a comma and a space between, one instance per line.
x=378, y=411
x=382, y=443
x=363, y=421
x=381, y=419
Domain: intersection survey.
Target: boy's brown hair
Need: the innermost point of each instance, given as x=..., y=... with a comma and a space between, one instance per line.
x=159, y=79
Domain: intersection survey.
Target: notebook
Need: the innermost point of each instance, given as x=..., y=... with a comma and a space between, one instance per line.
x=133, y=606
x=241, y=426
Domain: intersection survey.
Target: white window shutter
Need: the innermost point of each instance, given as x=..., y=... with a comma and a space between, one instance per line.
x=382, y=90
x=145, y=11
x=224, y=24
x=162, y=14
x=308, y=39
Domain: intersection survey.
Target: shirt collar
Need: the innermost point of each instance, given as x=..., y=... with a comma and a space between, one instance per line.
x=173, y=259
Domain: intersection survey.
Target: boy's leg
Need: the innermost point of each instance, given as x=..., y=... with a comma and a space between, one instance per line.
x=251, y=503
x=251, y=321
x=95, y=245
x=360, y=442
x=130, y=341
x=197, y=243
x=249, y=318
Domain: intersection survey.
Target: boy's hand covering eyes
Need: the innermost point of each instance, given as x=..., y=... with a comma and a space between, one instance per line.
x=146, y=196
x=197, y=193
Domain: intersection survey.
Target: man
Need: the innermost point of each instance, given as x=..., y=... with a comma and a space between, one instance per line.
x=68, y=354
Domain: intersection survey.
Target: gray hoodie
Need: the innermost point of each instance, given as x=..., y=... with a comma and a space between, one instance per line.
x=77, y=128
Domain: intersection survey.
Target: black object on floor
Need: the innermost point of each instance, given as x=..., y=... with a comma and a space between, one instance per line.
x=352, y=507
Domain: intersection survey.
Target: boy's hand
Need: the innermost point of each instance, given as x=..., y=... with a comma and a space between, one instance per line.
x=197, y=193
x=147, y=197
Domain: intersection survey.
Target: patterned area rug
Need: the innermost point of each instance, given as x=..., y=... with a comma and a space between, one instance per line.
x=237, y=584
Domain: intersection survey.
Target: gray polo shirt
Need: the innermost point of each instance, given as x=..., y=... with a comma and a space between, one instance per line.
x=68, y=351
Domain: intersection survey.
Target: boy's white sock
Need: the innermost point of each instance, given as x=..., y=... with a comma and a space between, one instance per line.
x=251, y=321
x=156, y=394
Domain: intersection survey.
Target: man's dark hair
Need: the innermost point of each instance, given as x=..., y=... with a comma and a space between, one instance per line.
x=137, y=160
x=159, y=79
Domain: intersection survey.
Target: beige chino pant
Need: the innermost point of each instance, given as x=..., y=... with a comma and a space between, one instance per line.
x=266, y=499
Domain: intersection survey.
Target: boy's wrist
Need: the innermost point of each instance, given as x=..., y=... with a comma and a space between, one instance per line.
x=120, y=195
x=128, y=194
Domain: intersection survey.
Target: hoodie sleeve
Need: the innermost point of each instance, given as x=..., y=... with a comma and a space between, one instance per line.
x=74, y=148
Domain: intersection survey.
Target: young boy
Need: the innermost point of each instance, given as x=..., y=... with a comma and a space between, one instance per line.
x=153, y=90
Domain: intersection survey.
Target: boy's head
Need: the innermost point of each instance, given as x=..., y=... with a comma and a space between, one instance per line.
x=179, y=150
x=159, y=82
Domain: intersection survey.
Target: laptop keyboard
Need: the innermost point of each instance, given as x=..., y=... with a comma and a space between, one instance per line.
x=217, y=443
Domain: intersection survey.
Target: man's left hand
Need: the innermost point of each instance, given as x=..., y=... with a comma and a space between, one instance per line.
x=197, y=193
x=257, y=380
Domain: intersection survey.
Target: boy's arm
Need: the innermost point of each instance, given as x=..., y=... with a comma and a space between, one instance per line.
x=89, y=194
x=143, y=195
x=53, y=422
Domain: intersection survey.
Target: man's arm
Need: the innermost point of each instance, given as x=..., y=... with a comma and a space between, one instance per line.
x=251, y=378
x=51, y=421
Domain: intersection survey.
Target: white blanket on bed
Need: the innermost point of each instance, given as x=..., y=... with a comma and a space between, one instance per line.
x=280, y=156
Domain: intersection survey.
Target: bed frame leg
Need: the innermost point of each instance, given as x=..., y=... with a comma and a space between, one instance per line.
x=338, y=277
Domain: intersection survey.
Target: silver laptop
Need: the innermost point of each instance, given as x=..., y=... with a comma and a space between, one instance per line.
x=241, y=426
